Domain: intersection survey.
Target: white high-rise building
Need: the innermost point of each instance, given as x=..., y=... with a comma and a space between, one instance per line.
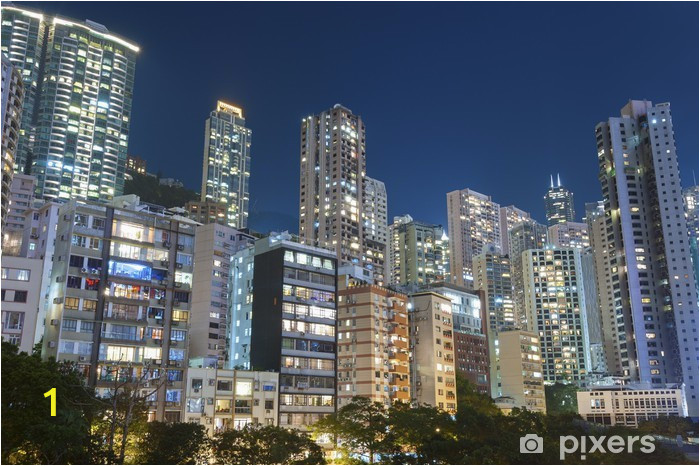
x=79, y=84
x=12, y=95
x=569, y=235
x=376, y=228
x=226, y=163
x=473, y=223
x=509, y=217
x=652, y=326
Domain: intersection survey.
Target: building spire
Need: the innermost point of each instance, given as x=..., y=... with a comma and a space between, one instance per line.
x=558, y=181
x=551, y=181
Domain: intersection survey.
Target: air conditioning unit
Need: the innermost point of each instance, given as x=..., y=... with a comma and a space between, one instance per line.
x=83, y=270
x=59, y=279
x=196, y=390
x=58, y=300
x=52, y=344
x=166, y=244
x=180, y=247
x=164, y=263
x=178, y=265
x=82, y=359
x=268, y=411
x=159, y=362
x=94, y=271
x=55, y=321
x=63, y=237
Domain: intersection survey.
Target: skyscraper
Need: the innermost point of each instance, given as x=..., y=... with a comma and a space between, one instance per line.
x=12, y=95
x=569, y=235
x=418, y=252
x=556, y=310
x=522, y=237
x=23, y=36
x=332, y=204
x=76, y=122
x=509, y=217
x=655, y=300
x=473, y=223
x=226, y=162
x=690, y=201
x=376, y=228
x=558, y=204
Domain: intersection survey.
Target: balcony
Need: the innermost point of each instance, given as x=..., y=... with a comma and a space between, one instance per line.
x=399, y=356
x=121, y=337
x=400, y=395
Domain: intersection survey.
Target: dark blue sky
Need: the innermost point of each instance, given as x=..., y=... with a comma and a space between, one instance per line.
x=490, y=96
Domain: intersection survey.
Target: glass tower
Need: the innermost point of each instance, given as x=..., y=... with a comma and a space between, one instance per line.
x=558, y=204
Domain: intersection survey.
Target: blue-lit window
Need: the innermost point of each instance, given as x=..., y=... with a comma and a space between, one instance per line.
x=268, y=387
x=127, y=270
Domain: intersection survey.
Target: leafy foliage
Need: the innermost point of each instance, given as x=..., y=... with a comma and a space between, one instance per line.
x=179, y=443
x=670, y=426
x=265, y=445
x=29, y=434
x=150, y=190
x=561, y=398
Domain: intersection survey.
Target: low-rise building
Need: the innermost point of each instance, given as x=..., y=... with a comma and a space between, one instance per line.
x=222, y=399
x=21, y=290
x=630, y=405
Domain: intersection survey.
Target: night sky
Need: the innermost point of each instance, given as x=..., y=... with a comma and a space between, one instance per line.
x=493, y=97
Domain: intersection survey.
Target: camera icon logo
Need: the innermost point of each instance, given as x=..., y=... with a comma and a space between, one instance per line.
x=531, y=443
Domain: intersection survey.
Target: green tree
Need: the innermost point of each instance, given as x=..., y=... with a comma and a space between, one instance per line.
x=670, y=426
x=426, y=434
x=29, y=433
x=149, y=189
x=178, y=443
x=469, y=397
x=256, y=444
x=360, y=427
x=561, y=398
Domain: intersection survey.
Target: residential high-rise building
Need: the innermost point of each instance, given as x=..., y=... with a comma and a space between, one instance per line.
x=284, y=320
x=119, y=297
x=592, y=310
x=471, y=345
x=654, y=318
x=332, y=184
x=522, y=237
x=418, y=252
x=12, y=98
x=79, y=90
x=432, y=351
x=569, y=235
x=692, y=216
x=521, y=370
x=373, y=338
x=509, y=217
x=558, y=204
x=492, y=277
x=556, y=309
x=20, y=202
x=473, y=222
x=375, y=228
x=207, y=212
x=23, y=37
x=211, y=292
x=226, y=162
x=223, y=399
x=21, y=299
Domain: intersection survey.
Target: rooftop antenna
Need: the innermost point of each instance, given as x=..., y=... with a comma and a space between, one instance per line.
x=551, y=181
x=558, y=181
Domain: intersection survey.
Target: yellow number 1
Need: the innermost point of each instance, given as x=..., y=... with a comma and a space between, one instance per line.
x=52, y=393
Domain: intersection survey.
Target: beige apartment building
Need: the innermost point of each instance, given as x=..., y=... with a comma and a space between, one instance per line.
x=473, y=222
x=521, y=370
x=432, y=351
x=569, y=235
x=222, y=399
x=373, y=342
x=509, y=217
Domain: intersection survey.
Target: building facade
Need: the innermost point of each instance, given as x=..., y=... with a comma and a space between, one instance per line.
x=373, y=339
x=432, y=351
x=284, y=320
x=473, y=223
x=21, y=300
x=119, y=298
x=509, y=217
x=521, y=370
x=556, y=308
x=692, y=216
x=655, y=302
x=523, y=236
x=226, y=162
x=223, y=399
x=569, y=235
x=12, y=98
x=418, y=253
x=214, y=247
x=20, y=203
x=559, y=204
x=79, y=93
x=630, y=405
x=375, y=228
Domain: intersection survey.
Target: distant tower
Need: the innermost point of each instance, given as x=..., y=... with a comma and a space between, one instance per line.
x=558, y=203
x=226, y=165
